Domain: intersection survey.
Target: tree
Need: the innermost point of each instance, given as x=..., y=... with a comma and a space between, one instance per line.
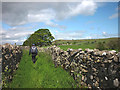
x=40, y=37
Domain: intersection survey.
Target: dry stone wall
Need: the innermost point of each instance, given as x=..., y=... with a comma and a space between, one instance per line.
x=91, y=68
x=25, y=47
x=11, y=56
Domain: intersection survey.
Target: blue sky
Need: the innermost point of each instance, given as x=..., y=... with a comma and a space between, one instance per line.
x=84, y=20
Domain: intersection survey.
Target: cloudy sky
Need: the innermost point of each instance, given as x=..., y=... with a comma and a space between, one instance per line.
x=73, y=20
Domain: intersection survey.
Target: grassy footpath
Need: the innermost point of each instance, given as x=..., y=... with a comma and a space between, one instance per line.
x=42, y=74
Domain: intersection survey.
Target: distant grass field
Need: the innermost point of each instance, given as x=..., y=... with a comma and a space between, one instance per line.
x=65, y=47
x=102, y=44
x=42, y=74
x=82, y=41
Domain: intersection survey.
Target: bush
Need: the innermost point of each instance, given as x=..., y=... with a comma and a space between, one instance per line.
x=74, y=42
x=68, y=42
x=113, y=44
x=104, y=42
x=101, y=46
x=92, y=42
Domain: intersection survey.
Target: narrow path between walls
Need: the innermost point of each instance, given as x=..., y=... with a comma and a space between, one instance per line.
x=42, y=74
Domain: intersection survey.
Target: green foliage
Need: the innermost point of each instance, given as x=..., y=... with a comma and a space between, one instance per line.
x=113, y=44
x=100, y=46
x=104, y=42
x=68, y=42
x=42, y=74
x=74, y=42
x=41, y=37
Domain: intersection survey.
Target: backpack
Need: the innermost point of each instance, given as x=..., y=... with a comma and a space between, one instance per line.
x=33, y=50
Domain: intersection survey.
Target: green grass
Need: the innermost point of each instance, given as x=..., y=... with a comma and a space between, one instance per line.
x=65, y=47
x=42, y=74
x=88, y=43
x=106, y=44
x=83, y=46
x=83, y=41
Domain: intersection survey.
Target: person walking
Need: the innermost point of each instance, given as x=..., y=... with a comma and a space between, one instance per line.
x=33, y=50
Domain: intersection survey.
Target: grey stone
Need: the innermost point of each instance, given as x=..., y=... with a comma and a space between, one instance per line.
x=91, y=77
x=115, y=59
x=94, y=65
x=106, y=78
x=116, y=82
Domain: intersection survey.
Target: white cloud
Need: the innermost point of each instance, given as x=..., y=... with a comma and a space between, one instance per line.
x=15, y=34
x=2, y=31
x=21, y=34
x=48, y=13
x=104, y=33
x=89, y=37
x=18, y=42
x=7, y=36
x=84, y=8
x=73, y=9
x=44, y=15
x=22, y=13
x=113, y=16
x=69, y=35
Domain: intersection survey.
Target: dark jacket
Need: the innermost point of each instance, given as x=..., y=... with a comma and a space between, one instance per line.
x=33, y=54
